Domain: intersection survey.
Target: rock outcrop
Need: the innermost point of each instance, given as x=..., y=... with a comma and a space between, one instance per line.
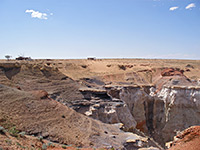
x=160, y=110
x=163, y=114
x=187, y=139
x=139, y=104
x=172, y=72
x=181, y=109
x=155, y=112
x=99, y=105
x=56, y=122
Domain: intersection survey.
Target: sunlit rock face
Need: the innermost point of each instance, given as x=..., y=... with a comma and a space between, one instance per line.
x=181, y=109
x=159, y=113
x=163, y=113
x=139, y=104
x=112, y=112
x=99, y=105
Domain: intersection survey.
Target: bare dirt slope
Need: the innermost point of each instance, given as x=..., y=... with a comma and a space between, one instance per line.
x=43, y=116
x=30, y=93
x=77, y=69
x=134, y=71
x=188, y=139
x=11, y=140
x=37, y=76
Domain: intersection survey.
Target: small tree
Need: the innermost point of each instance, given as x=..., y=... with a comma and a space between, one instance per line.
x=8, y=57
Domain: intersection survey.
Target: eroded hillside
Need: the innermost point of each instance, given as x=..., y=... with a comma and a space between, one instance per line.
x=148, y=95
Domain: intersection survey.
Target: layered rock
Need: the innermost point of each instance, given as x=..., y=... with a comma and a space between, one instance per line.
x=181, y=109
x=139, y=104
x=161, y=114
x=99, y=105
x=42, y=116
x=187, y=139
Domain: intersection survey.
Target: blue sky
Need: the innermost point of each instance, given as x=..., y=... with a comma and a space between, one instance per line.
x=100, y=28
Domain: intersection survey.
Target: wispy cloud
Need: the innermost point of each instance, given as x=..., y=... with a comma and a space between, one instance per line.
x=173, y=8
x=190, y=6
x=37, y=14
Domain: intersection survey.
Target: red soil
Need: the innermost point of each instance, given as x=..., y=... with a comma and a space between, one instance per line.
x=189, y=139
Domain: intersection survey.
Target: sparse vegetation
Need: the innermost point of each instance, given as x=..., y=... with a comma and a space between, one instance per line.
x=22, y=134
x=2, y=130
x=13, y=131
x=50, y=144
x=84, y=66
x=21, y=146
x=44, y=146
x=122, y=67
x=8, y=141
x=64, y=146
x=8, y=57
x=40, y=138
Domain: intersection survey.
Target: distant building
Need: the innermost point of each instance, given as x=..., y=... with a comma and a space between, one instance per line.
x=91, y=58
x=23, y=58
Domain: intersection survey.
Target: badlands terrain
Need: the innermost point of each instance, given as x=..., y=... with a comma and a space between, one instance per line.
x=99, y=104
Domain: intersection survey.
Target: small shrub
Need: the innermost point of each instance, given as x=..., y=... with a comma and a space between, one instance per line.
x=40, y=138
x=2, y=130
x=18, y=144
x=83, y=66
x=8, y=141
x=22, y=134
x=64, y=146
x=50, y=144
x=108, y=65
x=44, y=146
x=14, y=132
x=122, y=67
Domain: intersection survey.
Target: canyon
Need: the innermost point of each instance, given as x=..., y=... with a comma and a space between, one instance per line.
x=101, y=103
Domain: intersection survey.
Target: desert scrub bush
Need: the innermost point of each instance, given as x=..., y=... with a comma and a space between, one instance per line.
x=8, y=141
x=22, y=134
x=18, y=144
x=13, y=131
x=64, y=146
x=50, y=144
x=2, y=130
x=40, y=138
x=122, y=67
x=84, y=66
x=44, y=146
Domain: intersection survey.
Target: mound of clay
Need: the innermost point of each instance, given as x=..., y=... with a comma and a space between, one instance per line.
x=31, y=77
x=188, y=139
x=172, y=72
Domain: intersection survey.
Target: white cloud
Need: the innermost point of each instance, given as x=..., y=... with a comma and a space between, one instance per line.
x=37, y=14
x=173, y=8
x=190, y=6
